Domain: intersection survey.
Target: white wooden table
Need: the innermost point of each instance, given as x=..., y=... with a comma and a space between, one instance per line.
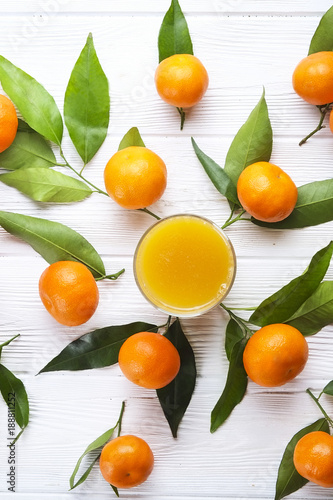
x=244, y=44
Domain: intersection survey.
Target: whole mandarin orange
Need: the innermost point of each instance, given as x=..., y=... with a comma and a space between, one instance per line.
x=266, y=192
x=275, y=354
x=313, y=458
x=69, y=292
x=126, y=461
x=181, y=80
x=135, y=177
x=149, y=359
x=8, y=122
x=313, y=78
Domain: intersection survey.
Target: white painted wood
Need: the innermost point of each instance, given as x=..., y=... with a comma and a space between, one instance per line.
x=244, y=45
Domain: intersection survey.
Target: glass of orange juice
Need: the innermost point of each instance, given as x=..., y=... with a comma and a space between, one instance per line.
x=184, y=265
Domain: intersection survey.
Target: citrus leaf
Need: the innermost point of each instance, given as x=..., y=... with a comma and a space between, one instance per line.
x=115, y=490
x=10, y=384
x=174, y=36
x=131, y=138
x=96, y=349
x=217, y=175
x=233, y=334
x=289, y=480
x=42, y=184
x=281, y=306
x=36, y=105
x=176, y=396
x=328, y=389
x=322, y=40
x=97, y=444
x=314, y=206
x=234, y=389
x=29, y=149
x=316, y=312
x=87, y=103
x=252, y=143
x=53, y=241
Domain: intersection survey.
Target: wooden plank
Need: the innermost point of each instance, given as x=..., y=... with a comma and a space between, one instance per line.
x=51, y=7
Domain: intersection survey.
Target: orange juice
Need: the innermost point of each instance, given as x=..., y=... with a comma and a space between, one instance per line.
x=184, y=265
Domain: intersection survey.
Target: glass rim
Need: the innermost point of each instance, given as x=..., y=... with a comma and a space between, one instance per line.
x=195, y=311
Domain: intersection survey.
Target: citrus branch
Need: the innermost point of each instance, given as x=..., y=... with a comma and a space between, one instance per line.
x=323, y=112
x=316, y=400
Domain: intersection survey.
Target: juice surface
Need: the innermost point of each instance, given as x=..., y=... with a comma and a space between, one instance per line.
x=184, y=265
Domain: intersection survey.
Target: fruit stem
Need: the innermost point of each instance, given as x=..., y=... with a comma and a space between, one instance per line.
x=230, y=221
x=323, y=113
x=9, y=341
x=316, y=400
x=81, y=176
x=119, y=421
x=111, y=276
x=182, y=117
x=149, y=212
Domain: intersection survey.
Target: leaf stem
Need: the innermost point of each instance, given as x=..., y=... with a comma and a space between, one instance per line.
x=119, y=421
x=9, y=341
x=242, y=308
x=111, y=276
x=239, y=321
x=149, y=212
x=316, y=400
x=84, y=166
x=81, y=176
x=230, y=221
x=182, y=117
x=323, y=112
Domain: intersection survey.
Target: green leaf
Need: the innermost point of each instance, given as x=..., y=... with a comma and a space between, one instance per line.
x=328, y=389
x=174, y=36
x=36, y=105
x=316, y=312
x=252, y=143
x=233, y=334
x=97, y=444
x=176, y=396
x=322, y=40
x=87, y=103
x=115, y=490
x=234, y=389
x=9, y=384
x=53, y=241
x=280, y=306
x=42, y=184
x=96, y=349
x=29, y=149
x=217, y=175
x=289, y=480
x=314, y=206
x=131, y=138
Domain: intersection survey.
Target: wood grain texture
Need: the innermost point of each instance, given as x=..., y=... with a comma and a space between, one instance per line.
x=244, y=45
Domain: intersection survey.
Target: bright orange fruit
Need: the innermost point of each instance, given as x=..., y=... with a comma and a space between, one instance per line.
x=126, y=461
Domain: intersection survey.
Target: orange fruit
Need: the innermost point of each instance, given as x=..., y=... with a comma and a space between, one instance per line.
x=148, y=359
x=69, y=292
x=313, y=78
x=266, y=192
x=8, y=122
x=181, y=80
x=313, y=458
x=126, y=461
x=135, y=177
x=275, y=354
